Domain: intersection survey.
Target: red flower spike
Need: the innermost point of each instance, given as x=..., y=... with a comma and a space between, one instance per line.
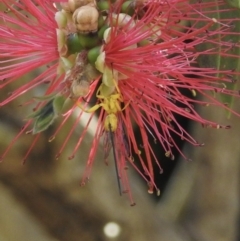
x=147, y=59
x=155, y=72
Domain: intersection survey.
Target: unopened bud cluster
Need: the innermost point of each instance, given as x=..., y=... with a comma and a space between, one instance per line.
x=86, y=25
x=84, y=14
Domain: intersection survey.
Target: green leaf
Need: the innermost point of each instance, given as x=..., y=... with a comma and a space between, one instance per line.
x=44, y=118
x=68, y=104
x=42, y=111
x=58, y=103
x=43, y=122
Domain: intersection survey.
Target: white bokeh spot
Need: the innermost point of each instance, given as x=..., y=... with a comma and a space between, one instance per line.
x=112, y=229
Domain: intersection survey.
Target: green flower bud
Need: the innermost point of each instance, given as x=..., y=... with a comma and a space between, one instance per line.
x=88, y=41
x=93, y=54
x=102, y=30
x=103, y=5
x=74, y=44
x=128, y=8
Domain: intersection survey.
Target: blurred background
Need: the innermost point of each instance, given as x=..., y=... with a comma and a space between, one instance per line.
x=43, y=200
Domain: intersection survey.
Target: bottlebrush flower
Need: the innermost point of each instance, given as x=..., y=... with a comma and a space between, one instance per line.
x=136, y=57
